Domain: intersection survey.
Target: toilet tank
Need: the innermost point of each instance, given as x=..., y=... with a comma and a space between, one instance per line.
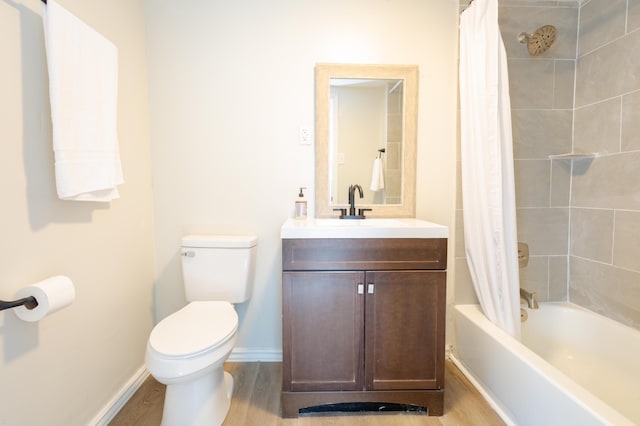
x=218, y=267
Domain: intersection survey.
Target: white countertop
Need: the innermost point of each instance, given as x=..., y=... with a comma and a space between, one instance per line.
x=362, y=228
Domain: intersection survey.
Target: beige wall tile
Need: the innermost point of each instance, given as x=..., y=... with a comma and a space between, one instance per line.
x=393, y=155
x=633, y=15
x=531, y=83
x=610, y=291
x=612, y=182
x=392, y=184
x=592, y=234
x=560, y=183
x=540, y=133
x=601, y=21
x=546, y=230
x=537, y=3
x=535, y=277
x=626, y=238
x=558, y=275
x=630, y=122
x=532, y=178
x=610, y=71
x=597, y=127
x=564, y=76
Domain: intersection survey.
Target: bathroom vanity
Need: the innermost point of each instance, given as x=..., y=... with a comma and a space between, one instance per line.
x=363, y=313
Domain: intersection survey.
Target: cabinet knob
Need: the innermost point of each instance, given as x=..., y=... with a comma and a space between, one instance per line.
x=360, y=288
x=370, y=288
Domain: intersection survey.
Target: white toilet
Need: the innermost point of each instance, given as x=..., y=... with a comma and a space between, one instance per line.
x=186, y=350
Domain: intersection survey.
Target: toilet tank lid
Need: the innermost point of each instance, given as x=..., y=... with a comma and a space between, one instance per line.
x=219, y=241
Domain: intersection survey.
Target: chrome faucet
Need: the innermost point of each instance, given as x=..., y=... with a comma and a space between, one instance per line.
x=352, y=198
x=352, y=205
x=530, y=298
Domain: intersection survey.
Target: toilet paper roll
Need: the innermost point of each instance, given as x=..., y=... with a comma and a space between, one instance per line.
x=52, y=295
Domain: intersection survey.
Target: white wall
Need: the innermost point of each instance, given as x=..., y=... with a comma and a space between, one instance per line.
x=66, y=368
x=230, y=83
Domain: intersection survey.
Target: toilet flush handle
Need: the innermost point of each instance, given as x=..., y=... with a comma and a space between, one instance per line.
x=189, y=253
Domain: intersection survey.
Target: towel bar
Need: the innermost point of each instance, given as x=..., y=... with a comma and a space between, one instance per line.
x=28, y=302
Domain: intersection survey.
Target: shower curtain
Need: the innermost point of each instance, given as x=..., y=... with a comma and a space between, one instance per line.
x=488, y=190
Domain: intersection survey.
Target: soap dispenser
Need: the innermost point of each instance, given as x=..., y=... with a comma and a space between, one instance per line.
x=301, y=205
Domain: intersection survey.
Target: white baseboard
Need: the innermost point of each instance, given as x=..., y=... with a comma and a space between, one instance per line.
x=120, y=399
x=255, y=355
x=126, y=392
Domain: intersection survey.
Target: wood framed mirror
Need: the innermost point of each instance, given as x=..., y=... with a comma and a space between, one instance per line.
x=365, y=112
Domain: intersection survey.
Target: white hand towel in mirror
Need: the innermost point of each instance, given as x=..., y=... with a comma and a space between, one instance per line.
x=83, y=90
x=377, y=175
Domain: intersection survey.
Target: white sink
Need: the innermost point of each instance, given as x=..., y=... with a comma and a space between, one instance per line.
x=328, y=223
x=362, y=228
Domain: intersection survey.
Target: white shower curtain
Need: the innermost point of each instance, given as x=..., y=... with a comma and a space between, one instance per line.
x=488, y=192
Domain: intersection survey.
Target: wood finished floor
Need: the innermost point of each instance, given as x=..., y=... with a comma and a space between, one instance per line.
x=256, y=401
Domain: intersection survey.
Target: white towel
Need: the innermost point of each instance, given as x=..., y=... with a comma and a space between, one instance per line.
x=83, y=90
x=377, y=176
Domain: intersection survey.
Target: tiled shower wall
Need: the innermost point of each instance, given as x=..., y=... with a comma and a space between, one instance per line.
x=605, y=194
x=581, y=219
x=541, y=90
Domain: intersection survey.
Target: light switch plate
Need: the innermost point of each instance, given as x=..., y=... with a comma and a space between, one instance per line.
x=304, y=135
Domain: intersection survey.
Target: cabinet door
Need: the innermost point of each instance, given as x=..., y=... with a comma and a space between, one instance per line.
x=323, y=331
x=405, y=320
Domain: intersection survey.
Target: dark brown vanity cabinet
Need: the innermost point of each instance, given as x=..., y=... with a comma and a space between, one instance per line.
x=363, y=321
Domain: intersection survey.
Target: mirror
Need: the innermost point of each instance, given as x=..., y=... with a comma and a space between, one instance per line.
x=366, y=119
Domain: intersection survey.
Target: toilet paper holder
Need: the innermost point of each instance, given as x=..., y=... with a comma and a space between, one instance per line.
x=28, y=302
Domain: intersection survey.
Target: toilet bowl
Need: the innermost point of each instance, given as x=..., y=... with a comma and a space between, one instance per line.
x=186, y=352
x=187, y=349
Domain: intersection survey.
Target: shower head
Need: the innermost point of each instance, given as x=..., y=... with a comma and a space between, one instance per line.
x=540, y=40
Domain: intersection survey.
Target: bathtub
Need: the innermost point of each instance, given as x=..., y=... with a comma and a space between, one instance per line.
x=573, y=367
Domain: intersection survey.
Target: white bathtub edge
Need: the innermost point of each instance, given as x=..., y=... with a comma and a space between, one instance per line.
x=571, y=390
x=481, y=389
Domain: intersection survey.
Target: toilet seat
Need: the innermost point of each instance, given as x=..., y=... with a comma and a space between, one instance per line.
x=197, y=328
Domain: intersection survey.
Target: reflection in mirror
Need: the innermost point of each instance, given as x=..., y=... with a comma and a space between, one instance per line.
x=365, y=139
x=365, y=134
